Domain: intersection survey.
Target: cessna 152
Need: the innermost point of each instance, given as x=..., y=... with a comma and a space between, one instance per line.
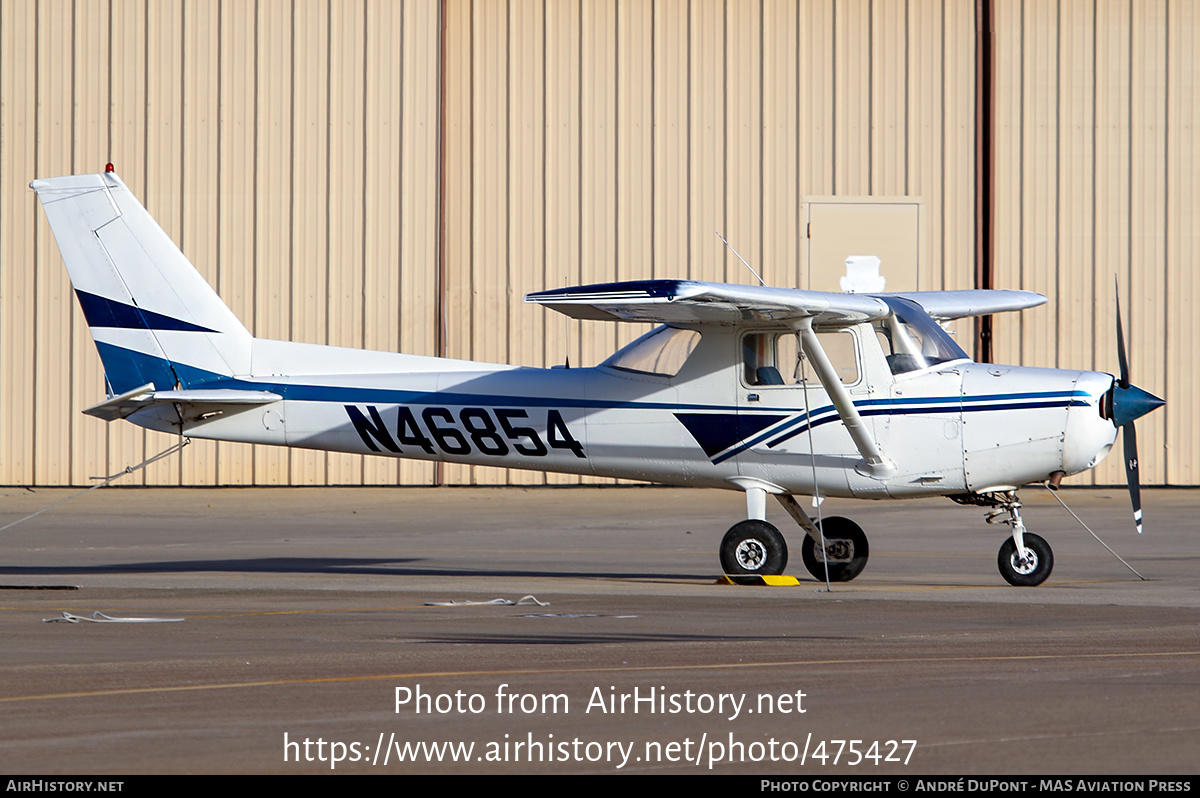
x=765, y=390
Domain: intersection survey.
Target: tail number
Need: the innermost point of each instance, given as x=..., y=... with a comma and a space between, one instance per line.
x=476, y=430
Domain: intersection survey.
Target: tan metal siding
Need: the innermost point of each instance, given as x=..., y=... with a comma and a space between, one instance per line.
x=200, y=167
x=18, y=252
x=55, y=319
x=344, y=226
x=382, y=129
x=1181, y=324
x=561, y=159
x=309, y=242
x=784, y=131
x=1096, y=173
x=292, y=149
x=417, y=263
x=236, y=188
x=458, y=202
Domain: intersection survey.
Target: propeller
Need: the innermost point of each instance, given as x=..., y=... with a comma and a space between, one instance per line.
x=1129, y=404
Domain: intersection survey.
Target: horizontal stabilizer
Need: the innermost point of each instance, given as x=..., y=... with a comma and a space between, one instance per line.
x=146, y=397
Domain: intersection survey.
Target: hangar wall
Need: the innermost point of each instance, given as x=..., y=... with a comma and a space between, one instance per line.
x=396, y=175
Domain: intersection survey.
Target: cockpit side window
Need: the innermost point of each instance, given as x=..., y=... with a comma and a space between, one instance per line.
x=911, y=340
x=773, y=358
x=660, y=352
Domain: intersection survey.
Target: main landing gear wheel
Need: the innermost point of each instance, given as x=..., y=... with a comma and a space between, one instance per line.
x=753, y=548
x=846, y=550
x=1034, y=569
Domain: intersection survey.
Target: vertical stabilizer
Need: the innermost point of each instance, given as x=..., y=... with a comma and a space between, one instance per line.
x=153, y=317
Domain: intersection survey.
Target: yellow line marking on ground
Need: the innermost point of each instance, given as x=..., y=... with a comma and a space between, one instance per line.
x=546, y=672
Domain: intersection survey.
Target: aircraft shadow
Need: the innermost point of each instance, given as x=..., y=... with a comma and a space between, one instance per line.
x=382, y=566
x=583, y=638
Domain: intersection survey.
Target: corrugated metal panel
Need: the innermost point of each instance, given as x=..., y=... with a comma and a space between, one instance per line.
x=293, y=151
x=952, y=202
x=236, y=188
x=18, y=251
x=706, y=198
x=1109, y=216
x=89, y=133
x=784, y=133
x=383, y=133
x=561, y=82
x=916, y=120
x=1006, y=201
x=1147, y=262
x=347, y=168
x=818, y=121
x=126, y=143
x=200, y=167
x=1181, y=327
x=164, y=157
x=890, y=101
x=1096, y=115
x=310, y=199
x=55, y=316
x=672, y=108
x=743, y=158
x=526, y=183
x=458, y=201
x=852, y=91
x=418, y=257
x=273, y=255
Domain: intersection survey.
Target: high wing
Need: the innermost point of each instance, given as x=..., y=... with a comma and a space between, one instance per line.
x=948, y=305
x=693, y=302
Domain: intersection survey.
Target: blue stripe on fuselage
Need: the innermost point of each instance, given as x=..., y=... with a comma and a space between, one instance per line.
x=789, y=428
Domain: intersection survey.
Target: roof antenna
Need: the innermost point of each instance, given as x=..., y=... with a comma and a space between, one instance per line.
x=743, y=260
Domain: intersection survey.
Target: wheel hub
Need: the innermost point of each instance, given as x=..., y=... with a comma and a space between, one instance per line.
x=751, y=554
x=1027, y=565
x=837, y=550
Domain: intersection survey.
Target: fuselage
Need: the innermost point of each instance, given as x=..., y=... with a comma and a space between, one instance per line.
x=703, y=419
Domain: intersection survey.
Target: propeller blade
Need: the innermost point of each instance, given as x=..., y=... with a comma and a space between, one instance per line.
x=1129, y=440
x=1121, y=344
x=1130, y=403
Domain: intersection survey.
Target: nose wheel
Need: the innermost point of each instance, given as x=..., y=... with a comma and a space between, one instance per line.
x=1030, y=570
x=1025, y=559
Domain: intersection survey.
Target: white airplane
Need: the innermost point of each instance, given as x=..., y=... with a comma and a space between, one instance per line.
x=764, y=390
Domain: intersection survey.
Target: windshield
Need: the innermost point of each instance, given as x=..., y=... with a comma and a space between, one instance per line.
x=911, y=340
x=662, y=352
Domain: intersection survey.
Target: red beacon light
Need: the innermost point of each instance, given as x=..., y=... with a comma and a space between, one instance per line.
x=108, y=167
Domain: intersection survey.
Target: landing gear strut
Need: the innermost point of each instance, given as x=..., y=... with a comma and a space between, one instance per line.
x=755, y=547
x=1025, y=559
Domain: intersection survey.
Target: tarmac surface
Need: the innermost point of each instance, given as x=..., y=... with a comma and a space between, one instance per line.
x=308, y=642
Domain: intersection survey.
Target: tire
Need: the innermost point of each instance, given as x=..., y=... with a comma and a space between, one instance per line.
x=1031, y=573
x=753, y=548
x=847, y=544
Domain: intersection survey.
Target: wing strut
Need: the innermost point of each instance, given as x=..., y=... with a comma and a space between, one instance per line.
x=874, y=463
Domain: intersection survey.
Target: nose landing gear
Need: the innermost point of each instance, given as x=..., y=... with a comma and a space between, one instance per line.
x=1025, y=559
